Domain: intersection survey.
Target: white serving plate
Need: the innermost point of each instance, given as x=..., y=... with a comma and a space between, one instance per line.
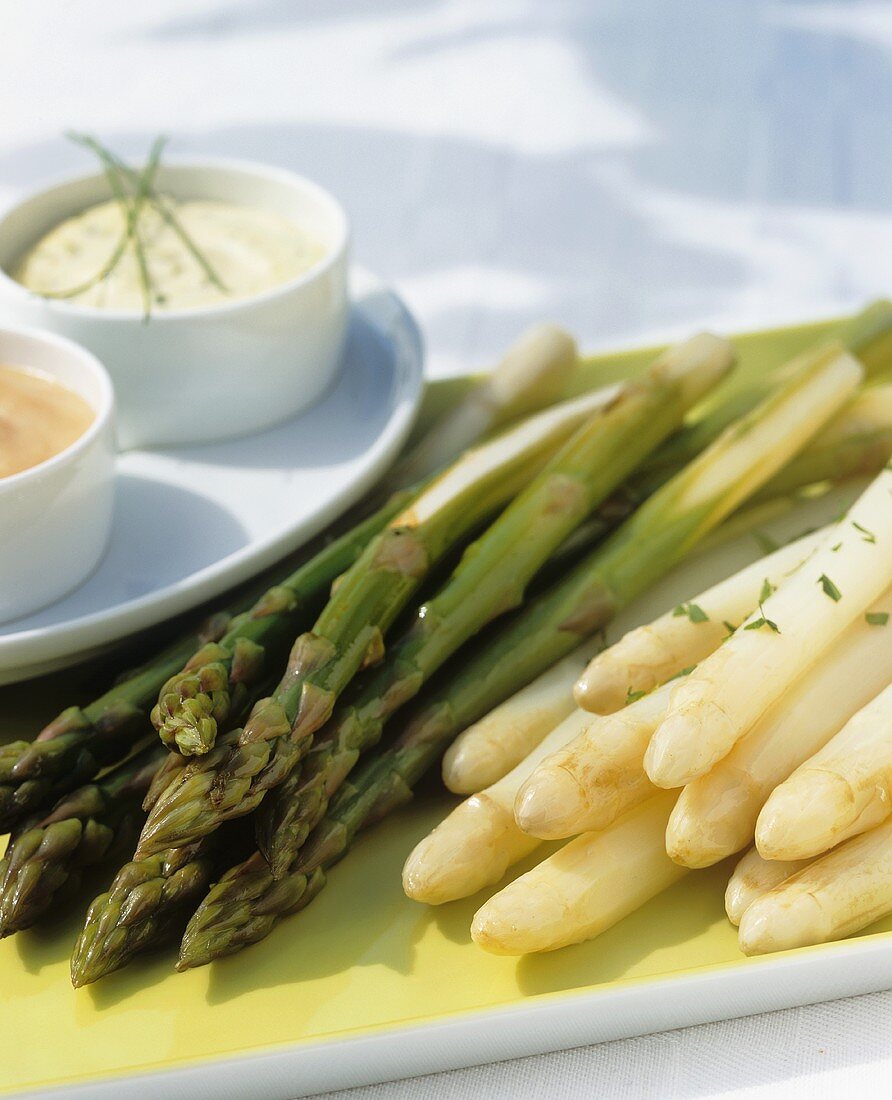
x=191, y=522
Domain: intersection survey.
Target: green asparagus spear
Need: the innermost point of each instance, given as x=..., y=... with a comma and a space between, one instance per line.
x=84, y=828
x=490, y=580
x=76, y=744
x=146, y=905
x=242, y=908
x=213, y=682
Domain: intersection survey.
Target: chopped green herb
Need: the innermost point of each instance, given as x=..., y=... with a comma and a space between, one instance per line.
x=693, y=611
x=866, y=536
x=877, y=618
x=830, y=588
x=683, y=672
x=633, y=696
x=763, y=620
x=833, y=549
x=768, y=589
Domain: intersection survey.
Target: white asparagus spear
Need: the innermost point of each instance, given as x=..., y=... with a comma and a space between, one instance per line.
x=498, y=742
x=652, y=654
x=753, y=877
x=728, y=693
x=534, y=373
x=584, y=888
x=476, y=844
x=857, y=441
x=843, y=790
x=842, y=892
x=596, y=777
x=716, y=814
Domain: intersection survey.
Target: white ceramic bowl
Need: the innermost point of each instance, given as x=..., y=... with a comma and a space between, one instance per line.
x=55, y=518
x=192, y=376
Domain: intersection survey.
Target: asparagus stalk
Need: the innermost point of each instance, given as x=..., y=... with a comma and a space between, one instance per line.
x=716, y=814
x=83, y=829
x=490, y=580
x=732, y=688
x=490, y=748
x=832, y=897
x=76, y=744
x=588, y=783
x=867, y=336
x=856, y=442
x=242, y=908
x=839, y=792
x=478, y=841
x=534, y=373
x=650, y=655
x=753, y=877
x=584, y=888
x=150, y=901
x=146, y=905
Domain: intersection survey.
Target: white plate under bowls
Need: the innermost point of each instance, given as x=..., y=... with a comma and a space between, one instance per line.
x=191, y=522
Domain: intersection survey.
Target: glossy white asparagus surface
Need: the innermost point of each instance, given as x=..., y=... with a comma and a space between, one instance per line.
x=498, y=742
x=522, y=449
x=584, y=888
x=716, y=813
x=832, y=897
x=843, y=790
x=753, y=877
x=533, y=373
x=476, y=844
x=651, y=654
x=728, y=693
x=596, y=777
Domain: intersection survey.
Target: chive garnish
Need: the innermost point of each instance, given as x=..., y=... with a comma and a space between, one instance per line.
x=763, y=620
x=829, y=588
x=693, y=611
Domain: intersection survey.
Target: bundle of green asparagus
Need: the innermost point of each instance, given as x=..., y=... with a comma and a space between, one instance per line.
x=603, y=491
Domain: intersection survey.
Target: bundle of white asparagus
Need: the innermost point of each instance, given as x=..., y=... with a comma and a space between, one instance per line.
x=755, y=716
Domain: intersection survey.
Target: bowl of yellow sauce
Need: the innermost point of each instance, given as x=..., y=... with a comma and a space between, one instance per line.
x=56, y=468
x=219, y=308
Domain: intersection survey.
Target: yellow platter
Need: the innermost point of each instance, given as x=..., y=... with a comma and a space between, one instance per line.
x=366, y=985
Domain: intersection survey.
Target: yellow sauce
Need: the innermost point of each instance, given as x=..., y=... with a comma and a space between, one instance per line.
x=38, y=418
x=251, y=251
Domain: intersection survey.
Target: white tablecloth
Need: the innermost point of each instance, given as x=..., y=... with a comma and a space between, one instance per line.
x=630, y=168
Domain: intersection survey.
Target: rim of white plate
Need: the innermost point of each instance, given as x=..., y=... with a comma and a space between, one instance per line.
x=42, y=648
